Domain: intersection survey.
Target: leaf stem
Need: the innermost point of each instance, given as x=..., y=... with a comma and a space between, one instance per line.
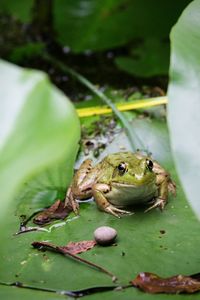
x=128, y=128
x=73, y=294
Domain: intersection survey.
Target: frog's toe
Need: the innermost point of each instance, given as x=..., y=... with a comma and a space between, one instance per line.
x=72, y=204
x=116, y=211
x=172, y=187
x=158, y=203
x=75, y=207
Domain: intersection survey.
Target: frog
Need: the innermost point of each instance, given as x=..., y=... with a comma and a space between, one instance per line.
x=120, y=181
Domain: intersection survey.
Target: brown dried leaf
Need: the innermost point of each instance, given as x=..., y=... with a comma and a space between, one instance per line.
x=78, y=247
x=152, y=283
x=55, y=211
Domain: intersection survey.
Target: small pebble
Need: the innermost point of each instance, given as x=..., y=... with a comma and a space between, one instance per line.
x=105, y=235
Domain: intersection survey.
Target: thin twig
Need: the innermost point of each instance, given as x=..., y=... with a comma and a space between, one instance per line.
x=51, y=247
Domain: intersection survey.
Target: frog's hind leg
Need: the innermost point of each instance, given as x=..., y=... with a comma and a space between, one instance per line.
x=98, y=192
x=82, y=172
x=76, y=190
x=70, y=201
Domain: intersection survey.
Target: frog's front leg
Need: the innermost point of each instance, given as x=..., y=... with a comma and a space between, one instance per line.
x=165, y=185
x=98, y=191
x=161, y=200
x=79, y=189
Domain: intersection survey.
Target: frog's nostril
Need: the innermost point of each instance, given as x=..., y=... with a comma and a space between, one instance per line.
x=139, y=176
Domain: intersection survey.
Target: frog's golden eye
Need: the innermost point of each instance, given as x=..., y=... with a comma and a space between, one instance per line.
x=122, y=167
x=149, y=164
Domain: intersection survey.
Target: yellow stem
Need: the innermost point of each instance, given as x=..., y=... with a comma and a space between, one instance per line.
x=136, y=104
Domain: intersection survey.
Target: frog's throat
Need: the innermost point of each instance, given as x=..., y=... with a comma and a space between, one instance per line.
x=128, y=185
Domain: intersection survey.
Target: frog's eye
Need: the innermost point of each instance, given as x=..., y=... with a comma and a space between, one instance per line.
x=149, y=164
x=122, y=167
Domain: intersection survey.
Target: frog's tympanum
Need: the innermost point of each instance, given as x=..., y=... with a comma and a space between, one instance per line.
x=119, y=181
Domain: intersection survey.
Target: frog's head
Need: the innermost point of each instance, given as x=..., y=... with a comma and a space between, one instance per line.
x=130, y=169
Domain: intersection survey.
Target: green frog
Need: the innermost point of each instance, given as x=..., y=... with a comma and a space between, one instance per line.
x=119, y=181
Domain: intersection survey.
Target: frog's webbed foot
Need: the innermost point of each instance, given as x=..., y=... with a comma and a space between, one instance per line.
x=111, y=209
x=99, y=192
x=158, y=203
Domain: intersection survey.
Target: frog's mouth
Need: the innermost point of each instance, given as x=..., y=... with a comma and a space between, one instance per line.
x=124, y=184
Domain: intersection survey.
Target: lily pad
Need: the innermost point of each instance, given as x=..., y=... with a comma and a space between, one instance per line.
x=157, y=242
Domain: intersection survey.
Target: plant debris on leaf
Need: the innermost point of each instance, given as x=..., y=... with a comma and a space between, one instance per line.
x=98, y=135
x=73, y=294
x=57, y=210
x=70, y=250
x=152, y=283
x=72, y=247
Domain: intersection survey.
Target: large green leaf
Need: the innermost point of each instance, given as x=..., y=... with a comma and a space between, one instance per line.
x=38, y=128
x=184, y=100
x=21, y=9
x=96, y=25
x=150, y=58
x=141, y=245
